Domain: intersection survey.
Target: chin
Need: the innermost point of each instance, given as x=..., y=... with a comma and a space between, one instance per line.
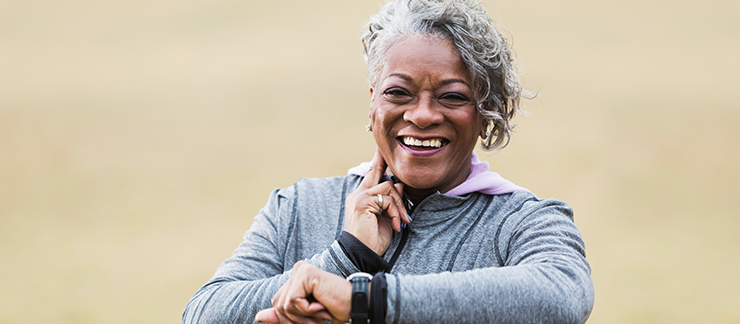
x=418, y=180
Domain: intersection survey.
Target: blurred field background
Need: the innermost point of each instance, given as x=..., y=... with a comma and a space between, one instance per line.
x=139, y=138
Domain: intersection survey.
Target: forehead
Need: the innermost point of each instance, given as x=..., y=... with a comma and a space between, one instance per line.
x=430, y=57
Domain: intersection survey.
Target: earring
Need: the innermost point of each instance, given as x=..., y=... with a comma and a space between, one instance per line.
x=368, y=129
x=488, y=133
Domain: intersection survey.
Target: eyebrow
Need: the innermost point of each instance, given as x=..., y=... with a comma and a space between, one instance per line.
x=444, y=82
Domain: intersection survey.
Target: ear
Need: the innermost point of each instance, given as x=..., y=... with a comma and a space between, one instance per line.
x=483, y=128
x=372, y=100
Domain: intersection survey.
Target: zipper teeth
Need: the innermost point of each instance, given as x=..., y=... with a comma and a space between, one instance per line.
x=404, y=231
x=404, y=236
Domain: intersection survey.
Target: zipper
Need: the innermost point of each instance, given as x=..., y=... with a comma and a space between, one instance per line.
x=404, y=228
x=397, y=252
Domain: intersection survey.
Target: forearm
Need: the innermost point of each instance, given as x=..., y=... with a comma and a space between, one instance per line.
x=519, y=294
x=241, y=288
x=225, y=300
x=543, y=277
x=554, y=287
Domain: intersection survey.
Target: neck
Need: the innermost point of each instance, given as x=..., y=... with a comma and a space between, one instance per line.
x=417, y=195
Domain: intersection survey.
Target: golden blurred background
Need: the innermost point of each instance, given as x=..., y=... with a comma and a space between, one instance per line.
x=138, y=139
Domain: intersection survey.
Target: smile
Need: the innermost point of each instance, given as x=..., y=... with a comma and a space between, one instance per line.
x=423, y=143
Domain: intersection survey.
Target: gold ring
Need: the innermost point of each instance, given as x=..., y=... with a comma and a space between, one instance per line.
x=380, y=202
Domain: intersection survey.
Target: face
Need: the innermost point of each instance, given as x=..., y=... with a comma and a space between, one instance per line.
x=423, y=115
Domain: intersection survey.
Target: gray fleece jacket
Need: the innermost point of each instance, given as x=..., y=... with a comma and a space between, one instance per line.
x=476, y=258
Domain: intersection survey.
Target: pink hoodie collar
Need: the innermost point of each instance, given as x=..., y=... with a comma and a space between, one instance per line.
x=479, y=179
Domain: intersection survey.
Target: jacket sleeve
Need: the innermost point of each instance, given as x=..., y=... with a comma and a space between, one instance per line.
x=245, y=283
x=545, y=278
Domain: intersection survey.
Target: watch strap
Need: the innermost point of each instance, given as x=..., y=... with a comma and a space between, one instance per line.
x=360, y=298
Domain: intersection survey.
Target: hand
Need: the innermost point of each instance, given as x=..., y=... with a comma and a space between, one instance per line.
x=360, y=218
x=311, y=295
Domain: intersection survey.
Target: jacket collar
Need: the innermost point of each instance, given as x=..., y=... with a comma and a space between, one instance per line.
x=480, y=179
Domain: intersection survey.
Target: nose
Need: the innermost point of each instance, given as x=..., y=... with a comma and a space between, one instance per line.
x=423, y=114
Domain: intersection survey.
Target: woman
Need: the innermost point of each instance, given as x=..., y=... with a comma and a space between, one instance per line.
x=440, y=238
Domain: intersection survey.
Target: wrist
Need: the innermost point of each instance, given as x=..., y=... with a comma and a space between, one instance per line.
x=360, y=301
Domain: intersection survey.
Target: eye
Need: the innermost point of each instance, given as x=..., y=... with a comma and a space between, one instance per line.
x=454, y=99
x=397, y=95
x=396, y=92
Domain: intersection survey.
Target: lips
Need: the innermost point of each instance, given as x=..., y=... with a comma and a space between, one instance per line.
x=423, y=143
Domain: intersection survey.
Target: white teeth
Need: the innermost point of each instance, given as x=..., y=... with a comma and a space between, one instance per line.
x=410, y=141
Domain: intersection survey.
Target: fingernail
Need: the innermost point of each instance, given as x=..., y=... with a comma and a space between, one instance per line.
x=409, y=217
x=327, y=320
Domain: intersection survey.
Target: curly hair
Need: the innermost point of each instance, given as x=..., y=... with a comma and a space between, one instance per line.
x=484, y=51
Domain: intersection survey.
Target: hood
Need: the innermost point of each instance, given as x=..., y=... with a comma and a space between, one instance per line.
x=480, y=179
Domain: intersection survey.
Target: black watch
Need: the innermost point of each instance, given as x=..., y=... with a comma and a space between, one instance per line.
x=360, y=297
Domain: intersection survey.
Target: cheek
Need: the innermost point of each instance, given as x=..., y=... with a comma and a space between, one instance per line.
x=380, y=117
x=373, y=108
x=383, y=125
x=375, y=112
x=471, y=124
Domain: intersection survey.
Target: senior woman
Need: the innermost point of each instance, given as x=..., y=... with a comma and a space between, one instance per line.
x=425, y=232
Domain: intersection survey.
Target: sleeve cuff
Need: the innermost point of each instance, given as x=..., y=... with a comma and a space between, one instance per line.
x=361, y=256
x=378, y=298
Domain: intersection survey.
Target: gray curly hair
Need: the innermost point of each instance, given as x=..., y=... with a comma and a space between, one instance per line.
x=483, y=50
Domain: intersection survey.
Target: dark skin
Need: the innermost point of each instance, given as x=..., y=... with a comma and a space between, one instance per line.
x=312, y=295
x=423, y=115
x=426, y=126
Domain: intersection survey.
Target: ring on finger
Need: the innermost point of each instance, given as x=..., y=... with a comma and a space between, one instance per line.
x=380, y=202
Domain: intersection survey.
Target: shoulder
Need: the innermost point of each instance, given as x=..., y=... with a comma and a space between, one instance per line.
x=309, y=200
x=525, y=204
x=529, y=221
x=530, y=203
x=320, y=187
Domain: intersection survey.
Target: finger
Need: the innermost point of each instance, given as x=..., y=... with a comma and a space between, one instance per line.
x=326, y=317
x=300, y=305
x=337, y=320
x=315, y=307
x=395, y=216
x=392, y=200
x=378, y=202
x=280, y=299
x=296, y=318
x=376, y=172
x=304, y=307
x=268, y=315
x=395, y=192
x=291, y=306
x=282, y=319
x=296, y=312
x=278, y=295
x=315, y=311
x=277, y=300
